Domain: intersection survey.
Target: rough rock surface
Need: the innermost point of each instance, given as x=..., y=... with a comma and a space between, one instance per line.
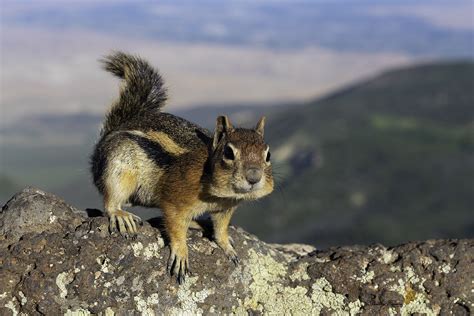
x=55, y=259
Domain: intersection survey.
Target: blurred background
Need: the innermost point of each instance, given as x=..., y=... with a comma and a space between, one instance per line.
x=369, y=104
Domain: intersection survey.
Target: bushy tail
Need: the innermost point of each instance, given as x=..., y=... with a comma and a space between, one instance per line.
x=142, y=93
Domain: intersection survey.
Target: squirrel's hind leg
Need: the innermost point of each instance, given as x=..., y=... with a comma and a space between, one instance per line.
x=118, y=189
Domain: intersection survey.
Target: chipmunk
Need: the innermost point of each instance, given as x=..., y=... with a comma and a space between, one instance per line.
x=149, y=158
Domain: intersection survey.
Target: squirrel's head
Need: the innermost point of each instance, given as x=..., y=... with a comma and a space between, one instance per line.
x=240, y=160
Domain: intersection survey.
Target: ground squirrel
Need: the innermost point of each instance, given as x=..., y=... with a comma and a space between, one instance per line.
x=154, y=159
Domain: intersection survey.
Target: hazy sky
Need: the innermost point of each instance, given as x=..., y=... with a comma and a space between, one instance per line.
x=215, y=52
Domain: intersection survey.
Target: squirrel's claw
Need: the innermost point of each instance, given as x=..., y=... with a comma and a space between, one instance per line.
x=171, y=263
x=126, y=223
x=229, y=251
x=178, y=266
x=235, y=260
x=232, y=255
x=231, y=241
x=112, y=224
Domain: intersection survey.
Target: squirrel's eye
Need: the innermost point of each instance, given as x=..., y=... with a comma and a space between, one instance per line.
x=268, y=157
x=228, y=153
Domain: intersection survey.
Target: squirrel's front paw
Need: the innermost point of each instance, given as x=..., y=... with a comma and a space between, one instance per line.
x=126, y=222
x=229, y=251
x=178, y=264
x=232, y=255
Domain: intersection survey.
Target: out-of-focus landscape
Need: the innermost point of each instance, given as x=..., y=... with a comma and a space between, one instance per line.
x=369, y=104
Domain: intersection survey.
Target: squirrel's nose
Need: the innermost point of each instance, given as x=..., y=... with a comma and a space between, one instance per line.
x=253, y=175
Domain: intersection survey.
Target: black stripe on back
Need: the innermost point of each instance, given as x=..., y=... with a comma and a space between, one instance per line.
x=153, y=150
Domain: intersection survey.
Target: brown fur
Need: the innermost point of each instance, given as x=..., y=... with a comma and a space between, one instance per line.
x=155, y=159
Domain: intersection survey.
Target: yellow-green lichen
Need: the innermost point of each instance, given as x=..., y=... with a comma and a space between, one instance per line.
x=108, y=312
x=12, y=305
x=415, y=300
x=146, y=306
x=270, y=296
x=188, y=298
x=425, y=261
x=77, y=312
x=366, y=277
x=392, y=311
x=23, y=299
x=300, y=273
x=63, y=279
x=387, y=256
x=105, y=265
x=152, y=250
x=52, y=218
x=324, y=297
x=268, y=290
x=445, y=268
x=137, y=248
x=418, y=304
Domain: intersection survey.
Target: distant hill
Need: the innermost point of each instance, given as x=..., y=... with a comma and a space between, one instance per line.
x=387, y=160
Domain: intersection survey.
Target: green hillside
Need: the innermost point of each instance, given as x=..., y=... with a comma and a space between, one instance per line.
x=388, y=160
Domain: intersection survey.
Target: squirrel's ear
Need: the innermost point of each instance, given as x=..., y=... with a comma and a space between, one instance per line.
x=223, y=125
x=260, y=126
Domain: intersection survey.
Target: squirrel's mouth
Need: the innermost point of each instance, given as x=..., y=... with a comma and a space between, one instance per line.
x=246, y=187
x=243, y=190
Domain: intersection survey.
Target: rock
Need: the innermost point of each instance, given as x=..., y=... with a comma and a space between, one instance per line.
x=56, y=260
x=297, y=249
